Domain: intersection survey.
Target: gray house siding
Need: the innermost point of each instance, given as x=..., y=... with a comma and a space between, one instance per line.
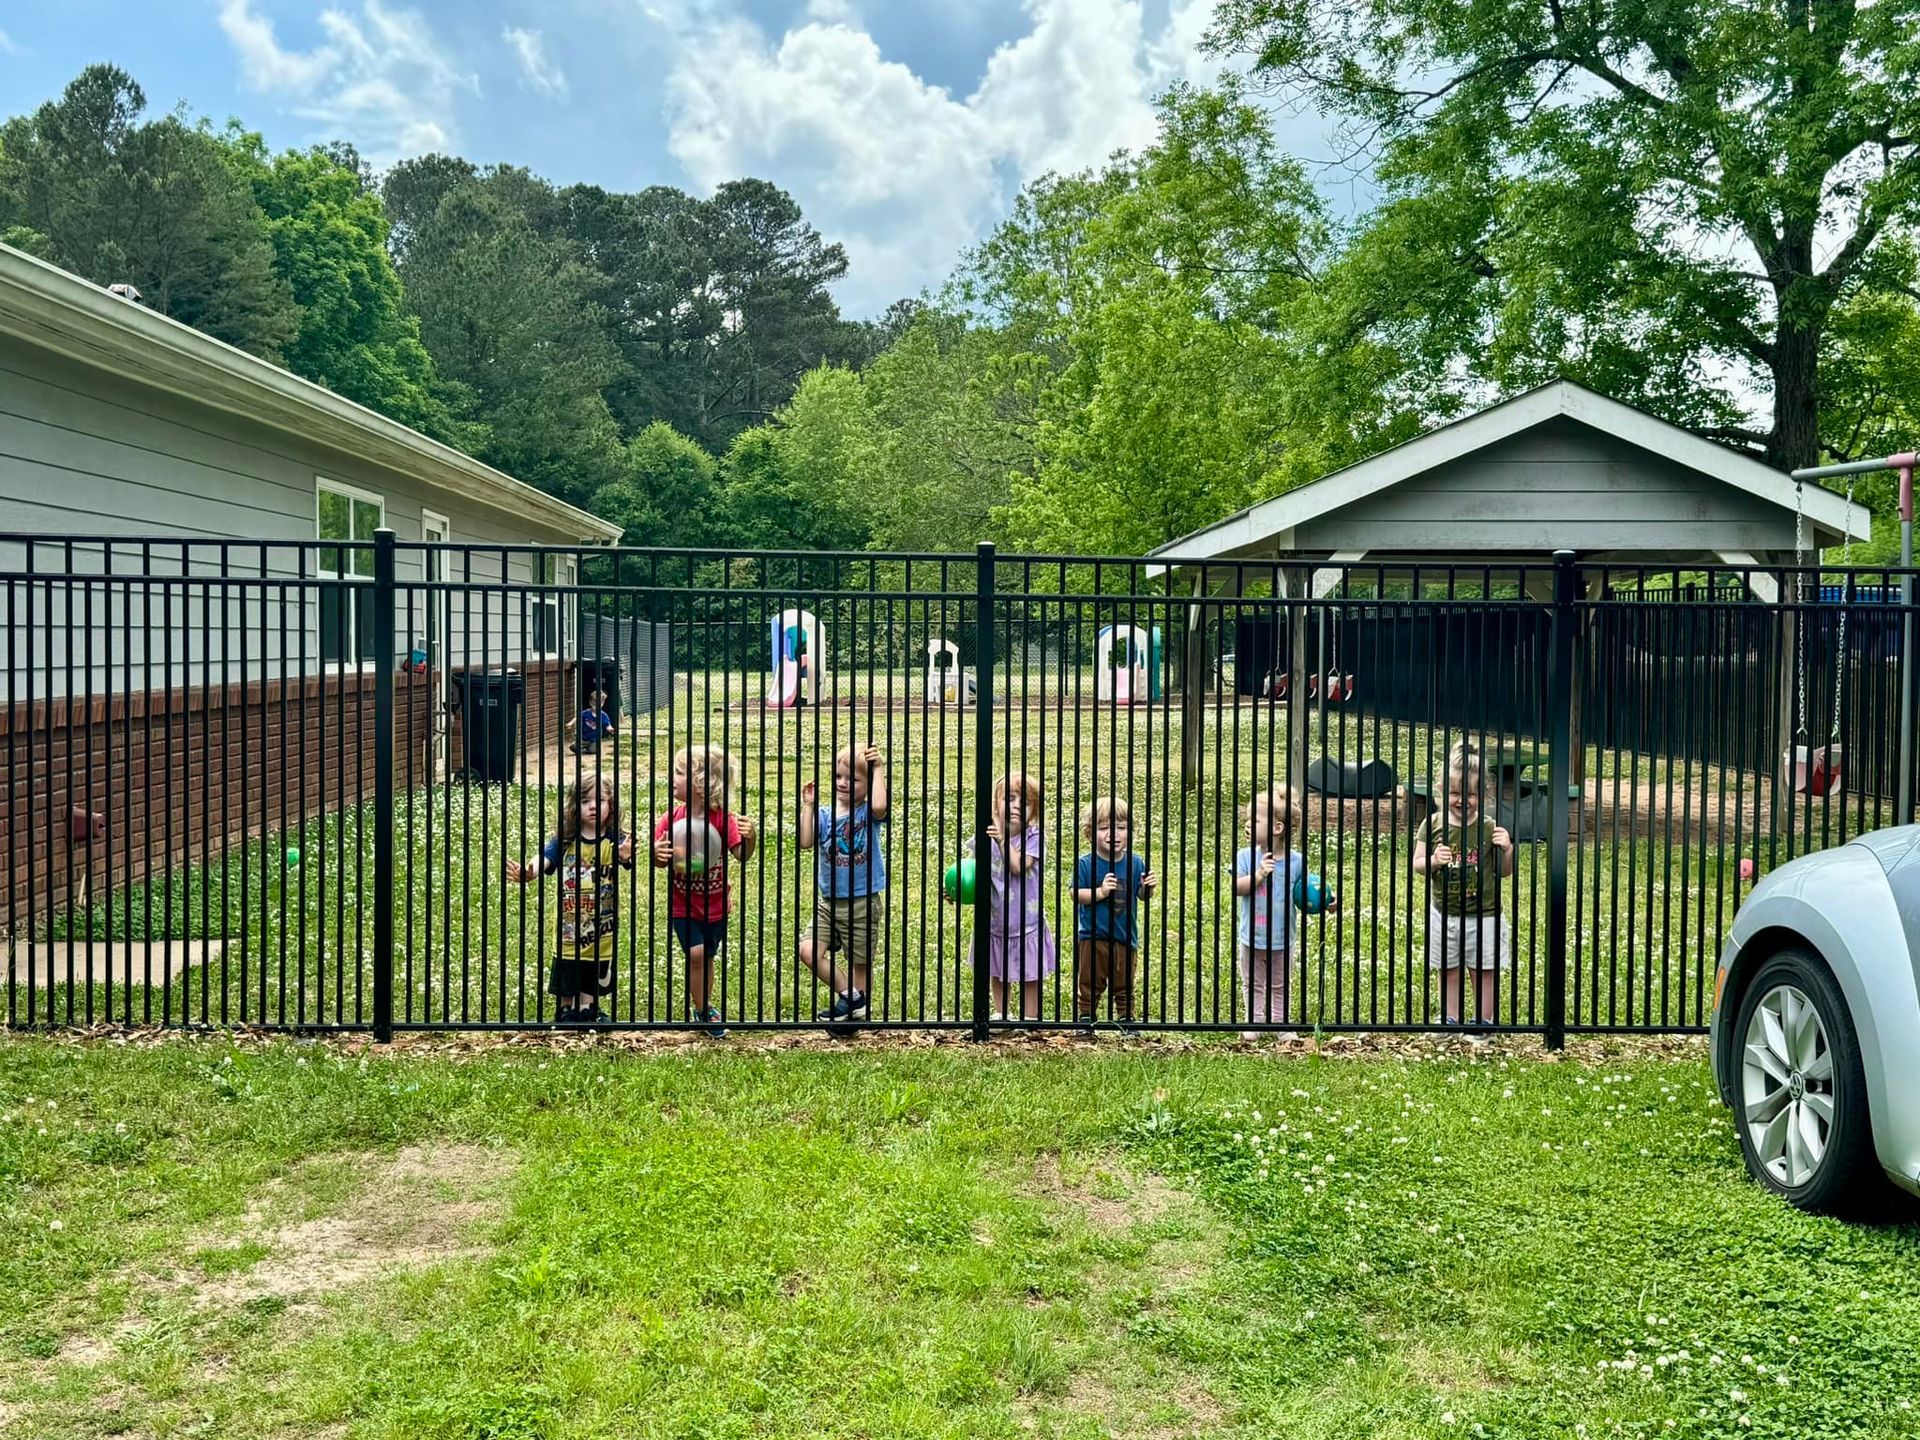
x=1533, y=490
x=89, y=453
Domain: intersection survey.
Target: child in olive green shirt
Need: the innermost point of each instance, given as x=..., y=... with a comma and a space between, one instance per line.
x=1465, y=856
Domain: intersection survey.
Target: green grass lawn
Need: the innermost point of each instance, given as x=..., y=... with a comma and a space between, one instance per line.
x=295, y=1239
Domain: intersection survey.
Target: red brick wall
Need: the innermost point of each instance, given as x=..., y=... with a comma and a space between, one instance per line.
x=167, y=774
x=170, y=774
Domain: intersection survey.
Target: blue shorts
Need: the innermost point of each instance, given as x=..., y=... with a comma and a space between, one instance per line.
x=708, y=935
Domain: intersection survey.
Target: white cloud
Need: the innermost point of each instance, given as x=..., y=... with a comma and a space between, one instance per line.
x=378, y=79
x=530, y=49
x=7, y=47
x=900, y=170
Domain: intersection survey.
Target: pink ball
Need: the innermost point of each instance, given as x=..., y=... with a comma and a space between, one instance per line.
x=1746, y=867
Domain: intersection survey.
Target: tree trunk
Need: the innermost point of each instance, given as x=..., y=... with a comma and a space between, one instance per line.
x=1795, y=442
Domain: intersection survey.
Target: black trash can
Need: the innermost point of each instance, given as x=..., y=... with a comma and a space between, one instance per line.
x=492, y=706
x=602, y=674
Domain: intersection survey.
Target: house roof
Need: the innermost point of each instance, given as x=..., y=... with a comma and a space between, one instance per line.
x=1831, y=517
x=52, y=308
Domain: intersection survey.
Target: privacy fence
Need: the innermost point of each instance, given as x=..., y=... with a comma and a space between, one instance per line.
x=286, y=785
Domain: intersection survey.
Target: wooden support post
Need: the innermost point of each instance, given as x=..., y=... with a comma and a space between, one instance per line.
x=1297, y=583
x=1192, y=688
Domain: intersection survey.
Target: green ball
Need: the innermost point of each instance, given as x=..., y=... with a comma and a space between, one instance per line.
x=958, y=882
x=293, y=857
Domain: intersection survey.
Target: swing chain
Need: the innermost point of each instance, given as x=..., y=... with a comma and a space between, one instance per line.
x=1800, y=624
x=1840, y=647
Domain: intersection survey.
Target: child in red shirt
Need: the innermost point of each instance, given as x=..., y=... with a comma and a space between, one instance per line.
x=693, y=840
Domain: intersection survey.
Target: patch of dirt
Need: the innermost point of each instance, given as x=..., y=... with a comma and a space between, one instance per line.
x=1107, y=1195
x=1183, y=1241
x=408, y=1210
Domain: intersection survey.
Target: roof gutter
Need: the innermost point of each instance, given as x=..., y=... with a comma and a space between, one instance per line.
x=49, y=307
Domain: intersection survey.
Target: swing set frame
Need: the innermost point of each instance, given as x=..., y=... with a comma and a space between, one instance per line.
x=1903, y=463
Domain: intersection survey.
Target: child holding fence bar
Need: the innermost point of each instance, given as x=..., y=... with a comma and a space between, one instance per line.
x=1465, y=857
x=694, y=839
x=584, y=853
x=1107, y=882
x=1267, y=873
x=850, y=876
x=1020, y=948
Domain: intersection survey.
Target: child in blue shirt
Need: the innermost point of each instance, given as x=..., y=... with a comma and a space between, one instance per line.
x=850, y=876
x=593, y=724
x=1107, y=882
x=1265, y=873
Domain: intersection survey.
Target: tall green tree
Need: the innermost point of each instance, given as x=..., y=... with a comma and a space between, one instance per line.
x=506, y=312
x=1151, y=306
x=801, y=481
x=1669, y=201
x=357, y=336
x=665, y=493
x=159, y=204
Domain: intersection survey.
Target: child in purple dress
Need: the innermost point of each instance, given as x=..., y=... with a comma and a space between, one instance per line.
x=1020, y=946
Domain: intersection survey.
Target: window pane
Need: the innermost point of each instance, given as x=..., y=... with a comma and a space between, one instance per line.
x=333, y=516
x=365, y=648
x=333, y=636
x=543, y=629
x=366, y=519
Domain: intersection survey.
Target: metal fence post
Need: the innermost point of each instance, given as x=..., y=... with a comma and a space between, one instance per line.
x=983, y=643
x=383, y=785
x=1560, y=771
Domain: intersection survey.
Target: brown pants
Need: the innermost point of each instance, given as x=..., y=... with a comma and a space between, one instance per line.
x=1102, y=965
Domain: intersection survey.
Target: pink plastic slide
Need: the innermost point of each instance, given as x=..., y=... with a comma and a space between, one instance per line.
x=785, y=688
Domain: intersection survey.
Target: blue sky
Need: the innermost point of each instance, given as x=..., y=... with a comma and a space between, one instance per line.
x=904, y=127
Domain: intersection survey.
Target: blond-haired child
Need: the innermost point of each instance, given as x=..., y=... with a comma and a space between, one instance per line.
x=1020, y=948
x=1267, y=872
x=850, y=876
x=1107, y=881
x=1465, y=856
x=698, y=894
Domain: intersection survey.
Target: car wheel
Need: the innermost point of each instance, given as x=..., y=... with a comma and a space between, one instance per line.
x=1800, y=1100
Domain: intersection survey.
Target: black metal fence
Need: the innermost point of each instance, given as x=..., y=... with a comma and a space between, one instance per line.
x=294, y=786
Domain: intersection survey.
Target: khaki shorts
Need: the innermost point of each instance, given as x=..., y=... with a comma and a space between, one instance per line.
x=1477, y=942
x=844, y=925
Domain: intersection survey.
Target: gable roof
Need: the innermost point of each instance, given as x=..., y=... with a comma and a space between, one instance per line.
x=1831, y=517
x=59, y=311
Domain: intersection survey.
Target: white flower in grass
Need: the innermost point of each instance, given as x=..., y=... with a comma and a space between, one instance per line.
x=56, y=1224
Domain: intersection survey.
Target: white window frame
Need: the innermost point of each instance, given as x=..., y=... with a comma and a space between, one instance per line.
x=351, y=494
x=549, y=568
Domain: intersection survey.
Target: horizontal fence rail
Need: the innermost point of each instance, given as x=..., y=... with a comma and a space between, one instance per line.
x=315, y=786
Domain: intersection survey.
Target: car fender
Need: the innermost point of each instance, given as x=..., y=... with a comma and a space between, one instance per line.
x=1841, y=903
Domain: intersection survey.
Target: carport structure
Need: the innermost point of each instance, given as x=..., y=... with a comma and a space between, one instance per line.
x=1559, y=468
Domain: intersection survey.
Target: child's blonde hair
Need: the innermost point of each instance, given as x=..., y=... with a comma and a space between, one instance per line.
x=1463, y=760
x=856, y=758
x=576, y=795
x=1104, y=811
x=1282, y=806
x=1030, y=796
x=709, y=771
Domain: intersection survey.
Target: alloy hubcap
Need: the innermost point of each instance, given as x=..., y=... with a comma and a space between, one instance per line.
x=1786, y=1085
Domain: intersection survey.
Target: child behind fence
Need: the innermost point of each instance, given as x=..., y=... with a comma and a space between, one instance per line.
x=1108, y=880
x=584, y=852
x=698, y=893
x=1466, y=858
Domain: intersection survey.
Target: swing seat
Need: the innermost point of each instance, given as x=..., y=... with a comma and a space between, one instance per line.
x=1339, y=688
x=1817, y=769
x=1276, y=686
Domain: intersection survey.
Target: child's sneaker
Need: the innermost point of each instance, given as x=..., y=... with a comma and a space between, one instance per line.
x=713, y=1029
x=568, y=1016
x=845, y=1008
x=1085, y=1024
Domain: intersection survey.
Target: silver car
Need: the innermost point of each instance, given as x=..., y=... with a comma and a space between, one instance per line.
x=1816, y=1022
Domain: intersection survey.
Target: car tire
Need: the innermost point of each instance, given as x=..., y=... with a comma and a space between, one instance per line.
x=1800, y=1102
